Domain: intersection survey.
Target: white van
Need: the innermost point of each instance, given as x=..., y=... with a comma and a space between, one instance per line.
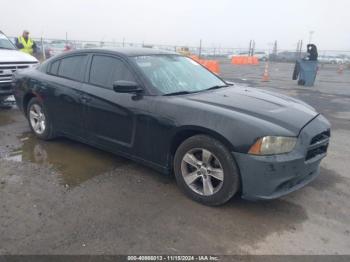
x=11, y=59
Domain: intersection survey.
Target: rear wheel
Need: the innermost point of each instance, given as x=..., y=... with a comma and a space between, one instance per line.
x=39, y=120
x=205, y=170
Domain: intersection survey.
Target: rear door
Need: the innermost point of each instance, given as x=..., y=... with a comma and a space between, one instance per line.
x=66, y=76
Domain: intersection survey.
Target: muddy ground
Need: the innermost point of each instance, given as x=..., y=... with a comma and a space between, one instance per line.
x=63, y=197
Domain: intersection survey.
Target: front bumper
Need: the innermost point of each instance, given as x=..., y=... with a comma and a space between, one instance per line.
x=269, y=177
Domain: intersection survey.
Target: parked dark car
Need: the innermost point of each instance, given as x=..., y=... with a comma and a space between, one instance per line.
x=169, y=112
x=287, y=56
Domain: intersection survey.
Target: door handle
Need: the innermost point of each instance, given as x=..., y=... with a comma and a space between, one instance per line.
x=85, y=99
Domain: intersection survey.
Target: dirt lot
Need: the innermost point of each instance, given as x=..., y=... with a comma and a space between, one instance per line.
x=63, y=197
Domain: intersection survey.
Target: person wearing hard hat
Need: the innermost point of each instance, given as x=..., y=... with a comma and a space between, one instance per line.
x=25, y=44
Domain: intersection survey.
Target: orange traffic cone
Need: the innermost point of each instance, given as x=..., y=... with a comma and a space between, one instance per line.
x=340, y=69
x=266, y=76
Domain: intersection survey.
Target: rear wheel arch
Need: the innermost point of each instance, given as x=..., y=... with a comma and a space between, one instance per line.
x=41, y=116
x=26, y=100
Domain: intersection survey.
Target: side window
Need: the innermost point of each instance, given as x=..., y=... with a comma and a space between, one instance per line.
x=72, y=67
x=54, y=67
x=105, y=70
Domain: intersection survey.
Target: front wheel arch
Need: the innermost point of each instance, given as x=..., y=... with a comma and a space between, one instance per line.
x=26, y=100
x=231, y=187
x=186, y=132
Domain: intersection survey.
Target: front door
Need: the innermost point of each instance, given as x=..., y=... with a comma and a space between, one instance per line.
x=112, y=119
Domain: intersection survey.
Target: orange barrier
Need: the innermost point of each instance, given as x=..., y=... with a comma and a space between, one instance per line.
x=245, y=60
x=195, y=58
x=212, y=65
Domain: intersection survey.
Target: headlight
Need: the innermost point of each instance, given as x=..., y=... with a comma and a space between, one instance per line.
x=273, y=145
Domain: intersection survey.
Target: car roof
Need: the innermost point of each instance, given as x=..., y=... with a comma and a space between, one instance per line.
x=127, y=51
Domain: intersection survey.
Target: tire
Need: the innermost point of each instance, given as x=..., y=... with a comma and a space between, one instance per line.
x=45, y=132
x=221, y=159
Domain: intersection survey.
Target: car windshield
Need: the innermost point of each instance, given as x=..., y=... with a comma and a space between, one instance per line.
x=5, y=43
x=176, y=74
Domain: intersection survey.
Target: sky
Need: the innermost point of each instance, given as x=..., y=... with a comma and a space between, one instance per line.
x=219, y=23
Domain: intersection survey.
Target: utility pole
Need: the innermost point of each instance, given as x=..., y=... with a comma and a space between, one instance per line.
x=251, y=48
x=43, y=48
x=310, y=36
x=200, y=48
x=299, y=48
x=274, y=50
x=298, y=44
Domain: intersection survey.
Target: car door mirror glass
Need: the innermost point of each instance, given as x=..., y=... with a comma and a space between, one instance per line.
x=123, y=86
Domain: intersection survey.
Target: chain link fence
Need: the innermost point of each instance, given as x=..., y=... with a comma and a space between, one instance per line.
x=51, y=47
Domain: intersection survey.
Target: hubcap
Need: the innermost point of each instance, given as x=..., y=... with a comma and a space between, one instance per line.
x=37, y=119
x=202, y=171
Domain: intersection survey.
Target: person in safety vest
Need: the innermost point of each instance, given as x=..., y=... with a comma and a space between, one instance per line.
x=25, y=44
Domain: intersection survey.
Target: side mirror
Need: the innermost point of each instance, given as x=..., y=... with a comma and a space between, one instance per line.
x=123, y=86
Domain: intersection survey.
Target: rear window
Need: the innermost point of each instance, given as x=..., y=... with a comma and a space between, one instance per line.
x=72, y=67
x=54, y=67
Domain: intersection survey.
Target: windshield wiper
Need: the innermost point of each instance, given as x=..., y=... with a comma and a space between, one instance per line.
x=188, y=92
x=179, y=93
x=216, y=87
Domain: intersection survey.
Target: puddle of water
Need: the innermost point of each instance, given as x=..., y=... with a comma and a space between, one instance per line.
x=75, y=162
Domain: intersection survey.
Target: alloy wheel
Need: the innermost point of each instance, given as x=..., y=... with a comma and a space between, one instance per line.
x=37, y=119
x=202, y=171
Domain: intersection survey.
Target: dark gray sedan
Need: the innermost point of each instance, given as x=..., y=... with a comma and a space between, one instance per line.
x=167, y=111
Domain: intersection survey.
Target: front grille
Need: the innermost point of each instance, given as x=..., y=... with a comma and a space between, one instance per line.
x=322, y=136
x=316, y=151
x=16, y=63
x=8, y=68
x=318, y=145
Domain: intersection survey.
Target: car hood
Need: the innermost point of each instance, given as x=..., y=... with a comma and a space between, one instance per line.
x=15, y=56
x=281, y=110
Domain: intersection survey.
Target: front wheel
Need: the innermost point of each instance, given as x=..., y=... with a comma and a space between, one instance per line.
x=206, y=171
x=39, y=120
